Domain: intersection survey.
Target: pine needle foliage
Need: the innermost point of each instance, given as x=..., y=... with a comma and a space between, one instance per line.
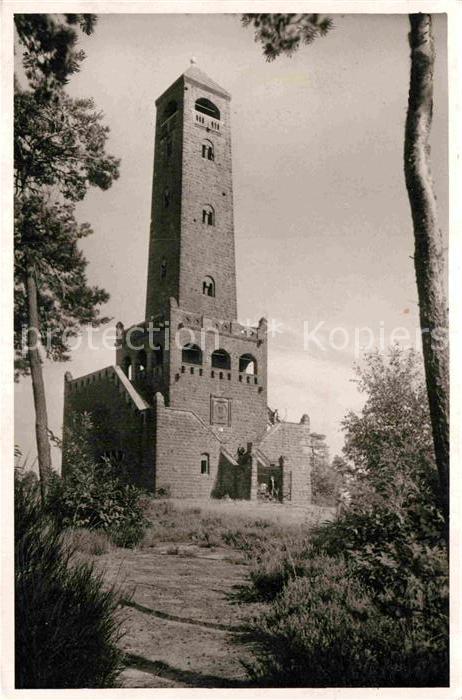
x=59, y=152
x=285, y=33
x=49, y=42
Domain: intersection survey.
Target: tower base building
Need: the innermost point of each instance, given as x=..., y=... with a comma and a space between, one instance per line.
x=184, y=407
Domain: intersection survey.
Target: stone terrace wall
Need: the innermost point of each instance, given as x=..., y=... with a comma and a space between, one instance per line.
x=291, y=441
x=181, y=439
x=122, y=420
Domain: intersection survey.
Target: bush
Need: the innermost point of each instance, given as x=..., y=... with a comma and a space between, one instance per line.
x=66, y=625
x=93, y=495
x=325, y=483
x=367, y=602
x=276, y=566
x=403, y=565
x=324, y=630
x=96, y=499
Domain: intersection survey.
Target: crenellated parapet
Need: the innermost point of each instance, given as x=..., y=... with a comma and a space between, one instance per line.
x=113, y=374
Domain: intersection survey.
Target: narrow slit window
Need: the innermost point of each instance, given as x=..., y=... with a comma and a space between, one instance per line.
x=169, y=111
x=168, y=146
x=157, y=356
x=205, y=463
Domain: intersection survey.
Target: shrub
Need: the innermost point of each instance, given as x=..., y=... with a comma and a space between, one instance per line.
x=276, y=566
x=367, y=602
x=325, y=483
x=404, y=566
x=93, y=495
x=96, y=500
x=324, y=630
x=66, y=625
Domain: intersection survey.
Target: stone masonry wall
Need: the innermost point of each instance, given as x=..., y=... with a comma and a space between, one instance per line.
x=165, y=233
x=181, y=439
x=119, y=425
x=207, y=250
x=291, y=441
x=192, y=386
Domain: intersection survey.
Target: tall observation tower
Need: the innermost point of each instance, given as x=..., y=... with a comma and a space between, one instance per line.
x=185, y=405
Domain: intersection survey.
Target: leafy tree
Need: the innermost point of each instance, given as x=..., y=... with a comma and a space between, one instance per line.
x=59, y=148
x=324, y=479
x=283, y=34
x=393, y=428
x=393, y=526
x=47, y=236
x=388, y=454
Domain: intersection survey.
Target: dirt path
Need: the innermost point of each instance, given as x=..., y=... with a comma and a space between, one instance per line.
x=181, y=615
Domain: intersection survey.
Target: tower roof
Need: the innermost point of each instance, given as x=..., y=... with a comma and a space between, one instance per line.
x=194, y=73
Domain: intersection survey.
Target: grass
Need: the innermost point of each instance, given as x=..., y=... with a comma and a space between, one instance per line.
x=84, y=541
x=252, y=536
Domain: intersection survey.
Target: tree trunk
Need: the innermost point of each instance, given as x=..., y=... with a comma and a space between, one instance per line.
x=41, y=417
x=428, y=257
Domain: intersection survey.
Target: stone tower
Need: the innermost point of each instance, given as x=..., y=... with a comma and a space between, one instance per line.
x=198, y=356
x=184, y=408
x=192, y=235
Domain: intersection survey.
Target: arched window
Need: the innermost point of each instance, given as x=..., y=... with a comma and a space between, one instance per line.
x=208, y=286
x=157, y=355
x=205, y=463
x=208, y=215
x=221, y=359
x=166, y=198
x=247, y=364
x=141, y=362
x=207, y=107
x=208, y=151
x=169, y=110
x=191, y=354
x=128, y=367
x=163, y=269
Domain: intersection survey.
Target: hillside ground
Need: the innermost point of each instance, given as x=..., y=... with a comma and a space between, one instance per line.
x=184, y=588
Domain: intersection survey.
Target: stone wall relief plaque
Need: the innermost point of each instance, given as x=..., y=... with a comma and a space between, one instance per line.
x=220, y=410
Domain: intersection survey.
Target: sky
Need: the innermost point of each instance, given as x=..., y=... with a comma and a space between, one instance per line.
x=323, y=230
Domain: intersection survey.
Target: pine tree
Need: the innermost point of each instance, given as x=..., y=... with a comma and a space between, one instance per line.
x=59, y=151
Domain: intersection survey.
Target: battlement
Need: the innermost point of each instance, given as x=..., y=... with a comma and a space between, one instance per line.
x=183, y=318
x=113, y=374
